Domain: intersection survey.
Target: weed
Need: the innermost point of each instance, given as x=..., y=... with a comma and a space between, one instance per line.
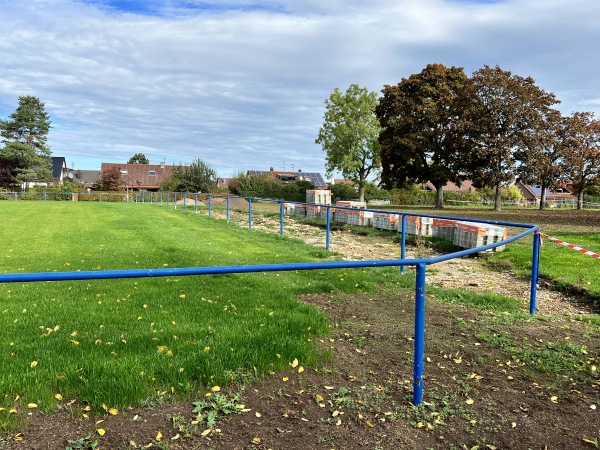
x=82, y=443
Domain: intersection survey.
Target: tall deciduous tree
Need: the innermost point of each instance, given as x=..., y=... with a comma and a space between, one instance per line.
x=504, y=109
x=197, y=177
x=138, y=158
x=422, y=138
x=580, y=137
x=542, y=162
x=349, y=135
x=25, y=155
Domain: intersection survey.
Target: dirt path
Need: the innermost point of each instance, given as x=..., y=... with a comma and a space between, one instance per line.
x=465, y=273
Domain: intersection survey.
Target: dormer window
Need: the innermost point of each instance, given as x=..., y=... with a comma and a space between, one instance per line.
x=152, y=172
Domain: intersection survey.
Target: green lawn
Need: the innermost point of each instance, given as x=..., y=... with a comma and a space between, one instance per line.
x=119, y=342
x=566, y=267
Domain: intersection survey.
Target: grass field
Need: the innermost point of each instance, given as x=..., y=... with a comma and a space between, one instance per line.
x=120, y=342
x=160, y=344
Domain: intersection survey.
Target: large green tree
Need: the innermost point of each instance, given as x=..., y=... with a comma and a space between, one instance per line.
x=504, y=110
x=422, y=139
x=197, y=177
x=25, y=155
x=138, y=158
x=580, y=138
x=349, y=135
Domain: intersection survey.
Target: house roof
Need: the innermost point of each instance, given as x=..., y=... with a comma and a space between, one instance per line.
x=87, y=177
x=314, y=177
x=143, y=176
x=466, y=185
x=58, y=164
x=536, y=191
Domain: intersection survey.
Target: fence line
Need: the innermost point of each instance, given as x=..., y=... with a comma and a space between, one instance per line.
x=419, y=263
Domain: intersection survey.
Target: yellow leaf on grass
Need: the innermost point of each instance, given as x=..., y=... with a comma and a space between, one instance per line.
x=100, y=431
x=215, y=388
x=33, y=364
x=31, y=405
x=12, y=411
x=58, y=397
x=300, y=369
x=294, y=363
x=113, y=411
x=470, y=401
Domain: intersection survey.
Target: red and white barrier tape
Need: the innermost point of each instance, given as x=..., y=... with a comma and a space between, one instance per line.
x=571, y=246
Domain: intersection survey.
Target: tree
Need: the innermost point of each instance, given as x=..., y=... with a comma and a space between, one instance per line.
x=542, y=161
x=138, y=158
x=110, y=179
x=580, y=138
x=197, y=177
x=422, y=139
x=349, y=135
x=504, y=109
x=25, y=155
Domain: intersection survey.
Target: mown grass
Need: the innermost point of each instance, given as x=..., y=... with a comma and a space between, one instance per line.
x=565, y=267
x=120, y=342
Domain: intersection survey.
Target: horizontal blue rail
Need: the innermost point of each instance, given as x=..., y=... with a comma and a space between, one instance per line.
x=419, y=263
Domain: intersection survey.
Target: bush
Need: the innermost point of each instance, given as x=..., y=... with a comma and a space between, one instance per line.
x=265, y=186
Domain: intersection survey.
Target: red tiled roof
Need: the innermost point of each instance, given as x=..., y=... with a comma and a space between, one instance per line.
x=144, y=176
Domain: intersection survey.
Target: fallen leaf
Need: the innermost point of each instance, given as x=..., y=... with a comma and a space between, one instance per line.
x=256, y=441
x=113, y=411
x=554, y=399
x=215, y=388
x=33, y=364
x=31, y=405
x=470, y=401
x=159, y=436
x=101, y=431
x=58, y=397
x=206, y=432
x=294, y=363
x=257, y=414
x=300, y=369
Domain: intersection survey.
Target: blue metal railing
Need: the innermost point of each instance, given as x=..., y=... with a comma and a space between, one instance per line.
x=419, y=263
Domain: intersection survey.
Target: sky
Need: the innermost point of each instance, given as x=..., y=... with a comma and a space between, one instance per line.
x=242, y=84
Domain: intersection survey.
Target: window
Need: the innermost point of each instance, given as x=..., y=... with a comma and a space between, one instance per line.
x=152, y=172
x=123, y=172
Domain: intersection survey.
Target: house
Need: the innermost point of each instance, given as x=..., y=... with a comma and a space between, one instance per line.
x=313, y=177
x=87, y=178
x=60, y=171
x=141, y=176
x=533, y=194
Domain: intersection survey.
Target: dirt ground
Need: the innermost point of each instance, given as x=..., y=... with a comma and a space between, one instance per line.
x=476, y=395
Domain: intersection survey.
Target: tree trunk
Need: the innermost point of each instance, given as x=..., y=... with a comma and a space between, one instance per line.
x=498, y=198
x=580, y=200
x=543, y=197
x=439, y=201
x=361, y=191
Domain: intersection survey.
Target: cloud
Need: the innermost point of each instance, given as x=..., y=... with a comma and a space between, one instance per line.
x=242, y=84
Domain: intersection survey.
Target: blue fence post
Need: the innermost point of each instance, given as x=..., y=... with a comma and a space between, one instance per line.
x=250, y=213
x=209, y=205
x=196, y=203
x=535, y=271
x=281, y=212
x=328, y=228
x=403, y=240
x=419, y=335
x=227, y=203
